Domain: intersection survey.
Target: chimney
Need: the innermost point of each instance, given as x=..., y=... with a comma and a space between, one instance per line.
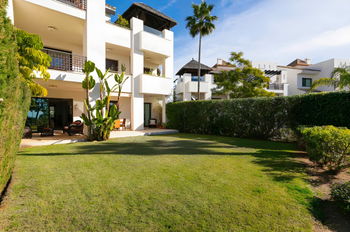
x=220, y=62
x=308, y=61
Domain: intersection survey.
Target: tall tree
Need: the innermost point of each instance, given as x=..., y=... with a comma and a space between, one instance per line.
x=201, y=23
x=243, y=80
x=340, y=79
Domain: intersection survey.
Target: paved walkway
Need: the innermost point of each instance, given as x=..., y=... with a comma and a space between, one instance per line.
x=60, y=138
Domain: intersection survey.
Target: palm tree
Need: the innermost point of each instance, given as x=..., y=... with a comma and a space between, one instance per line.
x=340, y=79
x=201, y=23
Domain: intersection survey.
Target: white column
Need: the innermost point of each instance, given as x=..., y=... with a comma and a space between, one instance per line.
x=285, y=89
x=168, y=67
x=164, y=109
x=187, y=88
x=169, y=61
x=208, y=80
x=9, y=11
x=94, y=41
x=137, y=65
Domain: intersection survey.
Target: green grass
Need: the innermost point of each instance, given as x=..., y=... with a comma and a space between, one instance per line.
x=159, y=183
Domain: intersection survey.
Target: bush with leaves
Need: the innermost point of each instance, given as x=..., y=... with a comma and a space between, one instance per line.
x=100, y=118
x=32, y=61
x=341, y=195
x=121, y=21
x=328, y=146
x=243, y=81
x=259, y=117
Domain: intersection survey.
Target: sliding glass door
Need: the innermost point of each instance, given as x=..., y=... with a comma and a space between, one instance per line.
x=50, y=113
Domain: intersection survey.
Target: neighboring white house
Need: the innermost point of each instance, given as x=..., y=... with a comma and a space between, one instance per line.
x=74, y=31
x=186, y=88
x=293, y=79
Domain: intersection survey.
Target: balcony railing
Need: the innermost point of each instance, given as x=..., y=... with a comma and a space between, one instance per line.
x=81, y=4
x=276, y=86
x=65, y=61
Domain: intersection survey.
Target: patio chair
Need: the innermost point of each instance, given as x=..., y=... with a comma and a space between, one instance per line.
x=77, y=127
x=152, y=123
x=120, y=123
x=46, y=131
x=27, y=133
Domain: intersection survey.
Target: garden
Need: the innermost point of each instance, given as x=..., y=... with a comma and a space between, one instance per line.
x=160, y=183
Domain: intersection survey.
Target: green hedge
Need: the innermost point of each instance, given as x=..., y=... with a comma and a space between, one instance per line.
x=15, y=99
x=259, y=117
x=327, y=146
x=341, y=195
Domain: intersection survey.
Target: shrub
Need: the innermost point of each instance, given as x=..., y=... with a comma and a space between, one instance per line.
x=328, y=146
x=251, y=117
x=341, y=195
x=121, y=21
x=15, y=99
x=259, y=117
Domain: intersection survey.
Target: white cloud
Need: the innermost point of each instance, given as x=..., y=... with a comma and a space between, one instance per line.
x=275, y=30
x=169, y=4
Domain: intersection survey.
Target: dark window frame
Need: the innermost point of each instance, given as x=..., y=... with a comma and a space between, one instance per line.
x=304, y=82
x=112, y=65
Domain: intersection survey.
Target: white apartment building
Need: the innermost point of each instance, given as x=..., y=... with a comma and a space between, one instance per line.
x=293, y=79
x=74, y=31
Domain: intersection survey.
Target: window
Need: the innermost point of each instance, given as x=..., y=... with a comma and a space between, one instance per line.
x=112, y=65
x=195, y=78
x=306, y=82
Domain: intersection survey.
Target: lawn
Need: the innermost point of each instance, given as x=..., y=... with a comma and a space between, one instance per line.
x=159, y=183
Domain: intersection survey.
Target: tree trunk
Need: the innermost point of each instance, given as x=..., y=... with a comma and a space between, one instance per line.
x=199, y=65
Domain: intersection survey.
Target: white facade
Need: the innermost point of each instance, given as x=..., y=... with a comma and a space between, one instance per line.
x=284, y=80
x=187, y=88
x=75, y=31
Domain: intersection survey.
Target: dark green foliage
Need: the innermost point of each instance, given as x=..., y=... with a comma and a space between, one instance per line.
x=328, y=146
x=259, y=117
x=251, y=117
x=321, y=109
x=15, y=98
x=341, y=194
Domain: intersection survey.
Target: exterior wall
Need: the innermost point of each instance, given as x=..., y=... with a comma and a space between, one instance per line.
x=122, y=60
x=117, y=35
x=137, y=64
x=187, y=89
x=86, y=33
x=153, y=43
x=125, y=109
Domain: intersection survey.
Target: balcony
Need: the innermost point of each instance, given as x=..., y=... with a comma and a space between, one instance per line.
x=276, y=86
x=156, y=85
x=149, y=42
x=80, y=4
x=65, y=61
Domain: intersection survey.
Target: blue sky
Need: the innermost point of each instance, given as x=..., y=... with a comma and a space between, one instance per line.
x=265, y=30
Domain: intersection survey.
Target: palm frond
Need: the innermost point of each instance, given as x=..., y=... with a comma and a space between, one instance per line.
x=323, y=82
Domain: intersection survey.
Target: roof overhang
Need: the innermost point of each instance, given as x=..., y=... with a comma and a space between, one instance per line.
x=150, y=16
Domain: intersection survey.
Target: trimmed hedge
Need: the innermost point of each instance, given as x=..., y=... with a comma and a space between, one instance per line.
x=259, y=117
x=15, y=99
x=341, y=195
x=328, y=146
